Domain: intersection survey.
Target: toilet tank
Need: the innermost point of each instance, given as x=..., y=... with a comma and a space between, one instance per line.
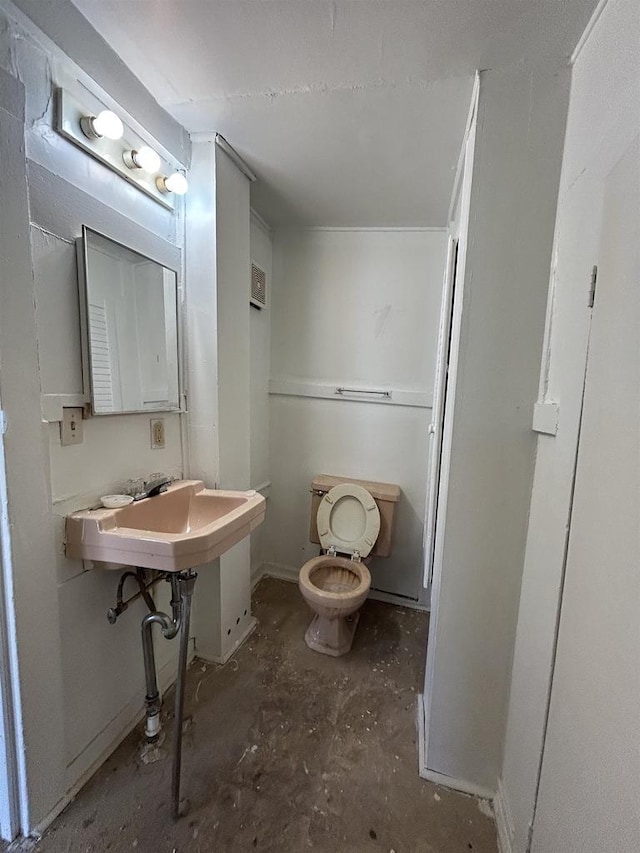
x=386, y=496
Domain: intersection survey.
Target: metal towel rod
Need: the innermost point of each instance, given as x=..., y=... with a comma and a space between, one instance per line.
x=374, y=392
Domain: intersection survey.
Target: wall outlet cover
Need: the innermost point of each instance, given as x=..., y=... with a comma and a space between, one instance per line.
x=157, y=433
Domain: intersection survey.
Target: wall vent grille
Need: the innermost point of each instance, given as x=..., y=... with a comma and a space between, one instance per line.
x=258, y=287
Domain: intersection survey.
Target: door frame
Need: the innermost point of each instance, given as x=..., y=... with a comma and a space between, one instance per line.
x=459, y=212
x=10, y=812
x=436, y=427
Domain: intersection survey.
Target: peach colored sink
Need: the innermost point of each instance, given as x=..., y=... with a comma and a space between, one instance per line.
x=181, y=528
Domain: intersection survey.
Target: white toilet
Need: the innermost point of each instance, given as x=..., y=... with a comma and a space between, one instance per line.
x=351, y=520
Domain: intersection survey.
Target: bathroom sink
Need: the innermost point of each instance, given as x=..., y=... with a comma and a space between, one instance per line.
x=179, y=529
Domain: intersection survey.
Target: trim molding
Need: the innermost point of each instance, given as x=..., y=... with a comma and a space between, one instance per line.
x=52, y=405
x=504, y=823
x=261, y=223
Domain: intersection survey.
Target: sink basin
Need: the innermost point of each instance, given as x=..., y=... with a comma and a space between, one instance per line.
x=179, y=529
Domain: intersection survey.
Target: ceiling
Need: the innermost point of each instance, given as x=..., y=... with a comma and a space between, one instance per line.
x=351, y=112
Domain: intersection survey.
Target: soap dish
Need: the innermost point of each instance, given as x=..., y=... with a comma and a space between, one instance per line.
x=116, y=501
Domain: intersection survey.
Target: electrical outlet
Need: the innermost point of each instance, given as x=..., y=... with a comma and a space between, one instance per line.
x=71, y=426
x=157, y=434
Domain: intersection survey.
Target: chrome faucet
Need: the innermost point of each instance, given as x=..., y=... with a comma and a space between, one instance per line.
x=156, y=484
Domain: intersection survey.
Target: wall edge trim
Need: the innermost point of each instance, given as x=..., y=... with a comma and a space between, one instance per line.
x=504, y=824
x=584, y=38
x=260, y=223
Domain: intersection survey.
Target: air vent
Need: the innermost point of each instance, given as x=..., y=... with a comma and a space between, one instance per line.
x=258, y=287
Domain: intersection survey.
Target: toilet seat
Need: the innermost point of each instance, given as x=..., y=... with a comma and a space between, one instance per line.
x=348, y=520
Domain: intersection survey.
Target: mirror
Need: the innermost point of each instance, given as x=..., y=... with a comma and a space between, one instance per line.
x=129, y=322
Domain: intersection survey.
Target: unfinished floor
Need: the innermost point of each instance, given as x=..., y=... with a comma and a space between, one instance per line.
x=288, y=751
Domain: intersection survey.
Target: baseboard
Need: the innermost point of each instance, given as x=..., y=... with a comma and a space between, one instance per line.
x=504, y=823
x=288, y=573
x=461, y=785
x=93, y=756
x=398, y=600
x=257, y=573
x=422, y=729
x=278, y=571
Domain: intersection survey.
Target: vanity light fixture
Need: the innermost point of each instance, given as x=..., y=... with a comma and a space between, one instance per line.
x=176, y=183
x=105, y=124
x=111, y=137
x=144, y=158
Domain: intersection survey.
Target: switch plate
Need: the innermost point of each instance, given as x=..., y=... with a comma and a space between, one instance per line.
x=71, y=426
x=157, y=433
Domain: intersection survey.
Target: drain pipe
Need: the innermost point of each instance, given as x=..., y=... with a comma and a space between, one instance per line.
x=169, y=627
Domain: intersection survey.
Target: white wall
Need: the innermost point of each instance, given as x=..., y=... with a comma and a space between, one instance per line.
x=602, y=120
x=355, y=308
x=260, y=360
x=202, y=316
x=590, y=779
x=517, y=158
x=30, y=578
x=219, y=380
x=81, y=680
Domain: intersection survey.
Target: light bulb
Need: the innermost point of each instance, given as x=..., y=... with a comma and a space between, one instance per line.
x=144, y=158
x=105, y=124
x=175, y=183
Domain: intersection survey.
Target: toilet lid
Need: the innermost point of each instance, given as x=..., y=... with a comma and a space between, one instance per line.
x=348, y=520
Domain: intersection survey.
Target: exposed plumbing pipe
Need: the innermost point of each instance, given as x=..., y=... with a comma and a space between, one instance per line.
x=182, y=584
x=143, y=592
x=186, y=594
x=169, y=627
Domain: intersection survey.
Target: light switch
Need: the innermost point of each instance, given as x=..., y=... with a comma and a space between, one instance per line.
x=71, y=426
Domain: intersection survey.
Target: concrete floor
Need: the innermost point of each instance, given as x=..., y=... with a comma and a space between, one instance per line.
x=288, y=751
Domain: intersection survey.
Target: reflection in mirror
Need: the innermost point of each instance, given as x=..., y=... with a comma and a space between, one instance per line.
x=130, y=328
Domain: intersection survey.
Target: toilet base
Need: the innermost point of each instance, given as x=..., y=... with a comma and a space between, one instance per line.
x=331, y=636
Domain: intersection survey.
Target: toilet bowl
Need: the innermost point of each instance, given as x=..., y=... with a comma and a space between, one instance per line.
x=336, y=584
x=335, y=588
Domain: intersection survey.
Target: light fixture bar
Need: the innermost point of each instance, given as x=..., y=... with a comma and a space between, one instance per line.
x=129, y=156
x=221, y=142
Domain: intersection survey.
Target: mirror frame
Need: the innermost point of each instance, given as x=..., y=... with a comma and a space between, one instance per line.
x=87, y=384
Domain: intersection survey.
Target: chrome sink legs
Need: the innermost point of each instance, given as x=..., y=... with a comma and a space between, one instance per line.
x=182, y=584
x=186, y=582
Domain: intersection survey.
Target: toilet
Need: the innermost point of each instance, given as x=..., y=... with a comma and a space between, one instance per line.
x=352, y=520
